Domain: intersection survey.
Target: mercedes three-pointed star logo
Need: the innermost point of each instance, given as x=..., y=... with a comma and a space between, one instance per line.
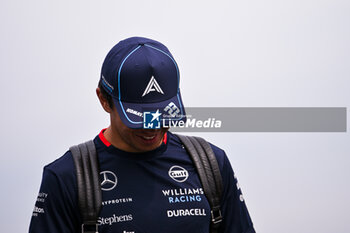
x=109, y=180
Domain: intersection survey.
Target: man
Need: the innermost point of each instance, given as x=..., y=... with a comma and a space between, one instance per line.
x=141, y=189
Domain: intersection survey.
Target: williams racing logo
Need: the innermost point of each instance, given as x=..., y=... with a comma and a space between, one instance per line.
x=178, y=173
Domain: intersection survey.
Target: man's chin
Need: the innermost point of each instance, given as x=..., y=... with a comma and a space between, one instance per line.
x=148, y=142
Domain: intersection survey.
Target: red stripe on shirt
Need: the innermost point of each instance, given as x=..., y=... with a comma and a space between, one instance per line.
x=103, y=139
x=165, y=138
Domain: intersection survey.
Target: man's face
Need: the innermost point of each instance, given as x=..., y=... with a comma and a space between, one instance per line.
x=127, y=139
x=134, y=140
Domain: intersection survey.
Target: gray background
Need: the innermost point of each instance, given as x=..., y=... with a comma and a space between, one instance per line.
x=230, y=54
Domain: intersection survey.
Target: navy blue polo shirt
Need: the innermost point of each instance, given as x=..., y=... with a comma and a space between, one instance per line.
x=153, y=192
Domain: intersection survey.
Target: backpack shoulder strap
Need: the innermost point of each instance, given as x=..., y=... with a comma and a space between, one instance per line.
x=208, y=170
x=89, y=187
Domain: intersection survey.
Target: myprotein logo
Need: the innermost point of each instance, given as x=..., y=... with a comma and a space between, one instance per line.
x=178, y=173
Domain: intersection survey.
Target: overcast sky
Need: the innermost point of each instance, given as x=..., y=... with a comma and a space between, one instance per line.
x=230, y=54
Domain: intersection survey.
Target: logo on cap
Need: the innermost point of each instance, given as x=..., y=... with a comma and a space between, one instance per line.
x=172, y=109
x=152, y=86
x=151, y=120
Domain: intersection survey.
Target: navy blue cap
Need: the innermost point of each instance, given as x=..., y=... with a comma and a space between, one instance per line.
x=141, y=75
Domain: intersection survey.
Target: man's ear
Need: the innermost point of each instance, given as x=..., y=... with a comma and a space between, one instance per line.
x=103, y=101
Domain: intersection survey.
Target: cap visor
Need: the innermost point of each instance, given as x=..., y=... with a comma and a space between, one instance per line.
x=134, y=115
